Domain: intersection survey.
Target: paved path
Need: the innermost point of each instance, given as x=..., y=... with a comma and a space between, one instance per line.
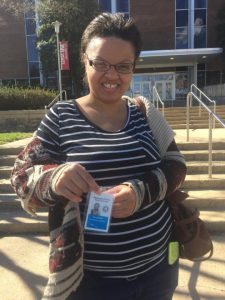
x=24, y=259
x=24, y=271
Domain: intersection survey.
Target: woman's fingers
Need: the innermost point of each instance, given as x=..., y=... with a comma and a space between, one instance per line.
x=124, y=202
x=75, y=181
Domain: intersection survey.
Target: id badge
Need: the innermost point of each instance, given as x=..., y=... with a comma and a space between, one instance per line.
x=173, y=252
x=99, y=212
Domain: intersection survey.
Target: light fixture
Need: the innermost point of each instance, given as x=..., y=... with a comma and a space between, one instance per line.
x=171, y=58
x=204, y=56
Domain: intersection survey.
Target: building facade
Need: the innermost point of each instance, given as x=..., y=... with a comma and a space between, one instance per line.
x=180, y=46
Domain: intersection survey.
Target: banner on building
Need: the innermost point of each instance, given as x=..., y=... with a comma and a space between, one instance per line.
x=64, y=55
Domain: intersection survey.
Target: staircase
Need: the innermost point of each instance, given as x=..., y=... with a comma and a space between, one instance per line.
x=176, y=117
x=206, y=194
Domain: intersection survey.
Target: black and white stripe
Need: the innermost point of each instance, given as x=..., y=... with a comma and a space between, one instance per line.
x=135, y=244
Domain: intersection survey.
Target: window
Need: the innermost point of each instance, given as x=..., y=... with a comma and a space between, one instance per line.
x=181, y=24
x=200, y=3
x=105, y=5
x=191, y=24
x=34, y=69
x=114, y=6
x=31, y=38
x=32, y=48
x=200, y=24
x=182, y=4
x=30, y=26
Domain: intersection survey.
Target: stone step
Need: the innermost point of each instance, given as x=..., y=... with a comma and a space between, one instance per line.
x=206, y=198
x=192, y=119
x=200, y=146
x=14, y=222
x=191, y=152
x=7, y=160
x=5, y=172
x=191, y=181
x=199, y=198
x=13, y=148
x=5, y=187
x=193, y=127
x=201, y=167
x=9, y=202
x=17, y=222
x=194, y=167
x=202, y=181
x=203, y=155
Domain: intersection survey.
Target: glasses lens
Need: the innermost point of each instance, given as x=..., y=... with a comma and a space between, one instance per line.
x=100, y=65
x=124, y=68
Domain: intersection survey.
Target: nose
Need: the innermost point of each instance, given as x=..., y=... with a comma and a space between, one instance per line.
x=112, y=73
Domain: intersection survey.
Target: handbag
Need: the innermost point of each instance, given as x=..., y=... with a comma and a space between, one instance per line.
x=189, y=230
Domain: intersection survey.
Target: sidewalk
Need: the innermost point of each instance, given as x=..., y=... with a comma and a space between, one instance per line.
x=24, y=259
x=24, y=271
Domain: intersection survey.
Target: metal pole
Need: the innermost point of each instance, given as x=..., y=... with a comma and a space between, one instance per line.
x=59, y=68
x=188, y=115
x=57, y=25
x=210, y=145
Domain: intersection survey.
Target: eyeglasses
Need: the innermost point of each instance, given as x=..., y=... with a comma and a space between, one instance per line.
x=103, y=66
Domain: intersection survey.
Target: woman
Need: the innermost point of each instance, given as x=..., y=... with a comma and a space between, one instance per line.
x=103, y=141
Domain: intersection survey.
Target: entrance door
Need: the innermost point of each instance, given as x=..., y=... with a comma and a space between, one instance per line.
x=165, y=89
x=142, y=88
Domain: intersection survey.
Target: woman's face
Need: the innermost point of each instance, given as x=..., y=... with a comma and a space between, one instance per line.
x=108, y=86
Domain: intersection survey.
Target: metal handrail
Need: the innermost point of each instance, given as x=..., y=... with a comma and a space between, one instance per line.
x=158, y=99
x=201, y=93
x=56, y=99
x=212, y=117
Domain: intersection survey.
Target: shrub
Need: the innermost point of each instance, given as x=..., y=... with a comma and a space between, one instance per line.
x=16, y=98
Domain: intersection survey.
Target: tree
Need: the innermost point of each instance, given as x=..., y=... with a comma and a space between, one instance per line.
x=74, y=16
x=17, y=7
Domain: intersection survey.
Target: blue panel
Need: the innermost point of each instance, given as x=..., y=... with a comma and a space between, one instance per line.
x=105, y=5
x=182, y=38
x=181, y=4
x=122, y=5
x=182, y=18
x=30, y=26
x=34, y=69
x=32, y=48
x=200, y=3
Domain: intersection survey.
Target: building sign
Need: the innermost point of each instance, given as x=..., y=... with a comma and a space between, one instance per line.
x=64, y=55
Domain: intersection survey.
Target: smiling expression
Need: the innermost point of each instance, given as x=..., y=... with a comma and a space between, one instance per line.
x=108, y=86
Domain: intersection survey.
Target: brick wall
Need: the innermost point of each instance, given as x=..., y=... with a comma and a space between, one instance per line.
x=155, y=19
x=13, y=61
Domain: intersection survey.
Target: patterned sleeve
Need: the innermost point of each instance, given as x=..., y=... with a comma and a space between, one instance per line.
x=36, y=165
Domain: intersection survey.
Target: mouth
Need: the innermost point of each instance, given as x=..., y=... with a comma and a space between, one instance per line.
x=110, y=86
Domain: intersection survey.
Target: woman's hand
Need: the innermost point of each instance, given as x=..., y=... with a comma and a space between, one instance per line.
x=124, y=201
x=74, y=181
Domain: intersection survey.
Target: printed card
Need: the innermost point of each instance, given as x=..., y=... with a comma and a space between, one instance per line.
x=99, y=212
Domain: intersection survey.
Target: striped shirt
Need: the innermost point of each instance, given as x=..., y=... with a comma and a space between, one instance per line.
x=135, y=244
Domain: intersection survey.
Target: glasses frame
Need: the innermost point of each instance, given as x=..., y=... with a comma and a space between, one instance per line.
x=92, y=64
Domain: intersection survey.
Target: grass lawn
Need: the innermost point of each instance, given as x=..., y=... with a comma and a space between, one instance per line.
x=13, y=136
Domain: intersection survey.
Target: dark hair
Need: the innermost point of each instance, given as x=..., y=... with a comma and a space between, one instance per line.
x=107, y=25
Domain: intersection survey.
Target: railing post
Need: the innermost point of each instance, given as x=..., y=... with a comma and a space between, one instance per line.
x=210, y=145
x=188, y=115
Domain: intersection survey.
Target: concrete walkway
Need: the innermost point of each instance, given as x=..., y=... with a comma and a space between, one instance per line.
x=24, y=271
x=24, y=259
